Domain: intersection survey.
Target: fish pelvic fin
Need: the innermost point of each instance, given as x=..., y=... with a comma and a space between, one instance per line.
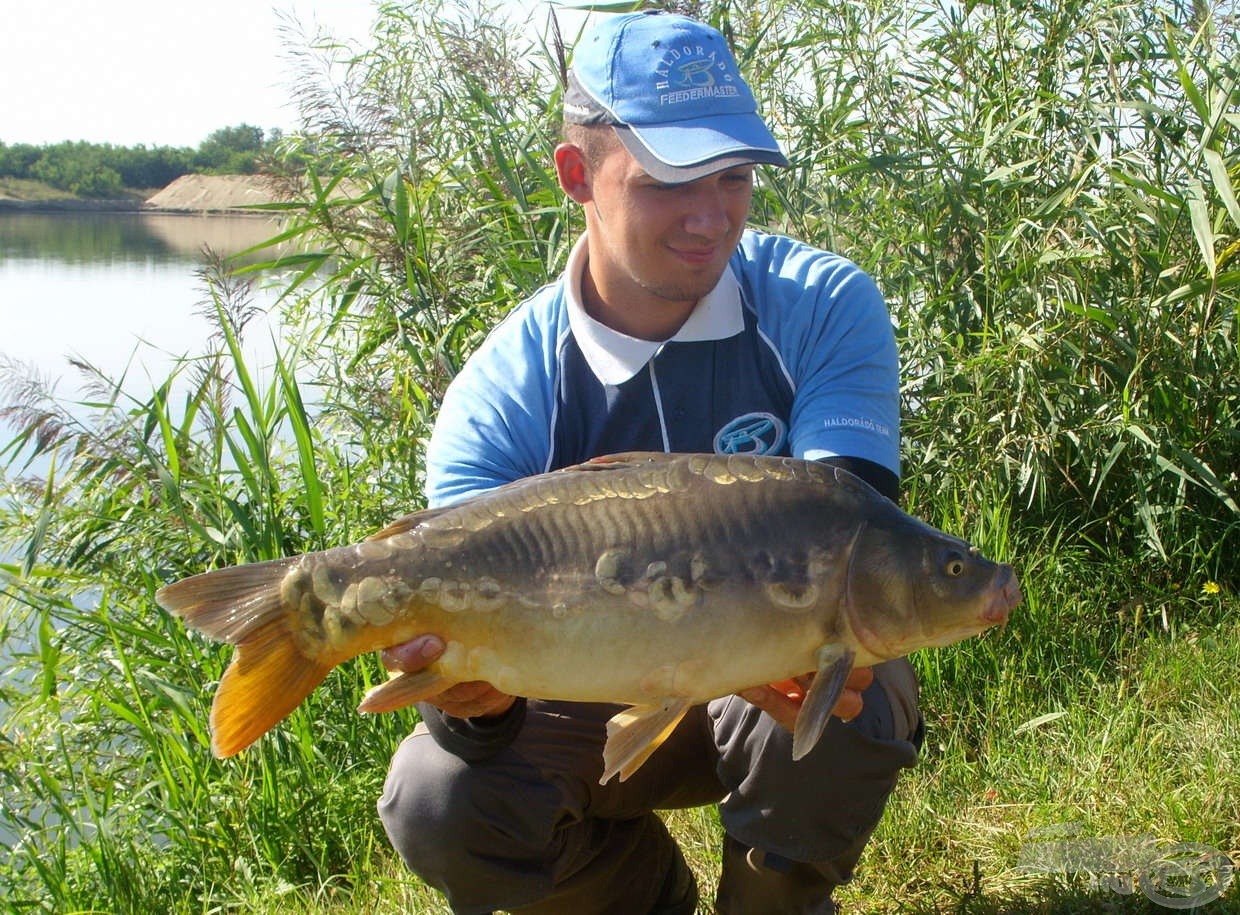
x=404, y=690
x=835, y=663
x=635, y=733
x=270, y=674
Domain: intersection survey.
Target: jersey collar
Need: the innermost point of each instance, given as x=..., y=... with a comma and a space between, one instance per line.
x=615, y=357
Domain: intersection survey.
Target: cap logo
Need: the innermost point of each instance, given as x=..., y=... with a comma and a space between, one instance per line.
x=689, y=73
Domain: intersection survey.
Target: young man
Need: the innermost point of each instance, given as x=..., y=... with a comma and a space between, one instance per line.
x=673, y=328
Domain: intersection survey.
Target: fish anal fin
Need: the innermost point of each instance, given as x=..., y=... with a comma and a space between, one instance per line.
x=403, y=690
x=269, y=677
x=835, y=663
x=635, y=733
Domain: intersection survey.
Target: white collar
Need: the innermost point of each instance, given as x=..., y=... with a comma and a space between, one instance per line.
x=615, y=357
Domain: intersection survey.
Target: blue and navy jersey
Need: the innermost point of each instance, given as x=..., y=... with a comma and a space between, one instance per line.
x=793, y=352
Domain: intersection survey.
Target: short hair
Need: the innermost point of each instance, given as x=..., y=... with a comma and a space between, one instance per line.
x=595, y=141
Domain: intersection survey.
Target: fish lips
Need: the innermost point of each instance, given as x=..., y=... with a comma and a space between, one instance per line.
x=1006, y=598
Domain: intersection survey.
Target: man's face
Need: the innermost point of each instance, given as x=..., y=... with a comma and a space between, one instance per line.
x=656, y=249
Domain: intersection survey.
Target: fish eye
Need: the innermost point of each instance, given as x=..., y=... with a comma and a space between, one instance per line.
x=954, y=565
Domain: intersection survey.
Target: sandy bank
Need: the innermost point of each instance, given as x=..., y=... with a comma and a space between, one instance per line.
x=212, y=194
x=187, y=194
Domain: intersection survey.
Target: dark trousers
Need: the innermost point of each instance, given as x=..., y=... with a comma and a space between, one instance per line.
x=532, y=830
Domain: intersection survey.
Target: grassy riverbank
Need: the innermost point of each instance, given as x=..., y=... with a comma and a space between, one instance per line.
x=1046, y=194
x=26, y=194
x=26, y=189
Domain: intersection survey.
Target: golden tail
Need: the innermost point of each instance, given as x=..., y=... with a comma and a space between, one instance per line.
x=269, y=675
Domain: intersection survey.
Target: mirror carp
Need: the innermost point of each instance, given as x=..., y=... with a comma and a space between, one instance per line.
x=650, y=580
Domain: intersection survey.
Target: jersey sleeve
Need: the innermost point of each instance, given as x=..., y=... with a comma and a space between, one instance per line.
x=828, y=320
x=494, y=424
x=493, y=428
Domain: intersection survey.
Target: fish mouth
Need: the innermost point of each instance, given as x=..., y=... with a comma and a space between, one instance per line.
x=1007, y=597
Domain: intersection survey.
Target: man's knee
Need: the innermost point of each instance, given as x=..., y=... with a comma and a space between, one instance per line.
x=899, y=684
x=825, y=805
x=502, y=836
x=422, y=806
x=450, y=821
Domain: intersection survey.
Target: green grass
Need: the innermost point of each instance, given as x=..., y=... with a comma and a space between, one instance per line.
x=25, y=189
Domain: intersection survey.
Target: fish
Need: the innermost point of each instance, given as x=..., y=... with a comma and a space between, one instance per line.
x=654, y=581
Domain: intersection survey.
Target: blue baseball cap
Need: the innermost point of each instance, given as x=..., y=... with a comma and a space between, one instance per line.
x=671, y=88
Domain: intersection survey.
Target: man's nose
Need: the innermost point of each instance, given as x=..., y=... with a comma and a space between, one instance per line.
x=707, y=215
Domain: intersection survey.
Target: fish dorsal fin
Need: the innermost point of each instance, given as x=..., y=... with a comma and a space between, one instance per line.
x=835, y=663
x=625, y=458
x=403, y=690
x=635, y=733
x=611, y=462
x=408, y=522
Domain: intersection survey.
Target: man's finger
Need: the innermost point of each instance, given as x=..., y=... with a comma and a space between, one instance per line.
x=780, y=706
x=410, y=657
x=474, y=699
x=860, y=679
x=848, y=706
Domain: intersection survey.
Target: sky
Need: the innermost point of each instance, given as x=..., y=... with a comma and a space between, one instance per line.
x=159, y=72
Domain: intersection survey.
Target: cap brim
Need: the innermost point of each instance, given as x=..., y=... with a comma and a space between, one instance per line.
x=688, y=150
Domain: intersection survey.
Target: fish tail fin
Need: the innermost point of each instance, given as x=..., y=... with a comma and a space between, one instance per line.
x=229, y=604
x=270, y=674
x=269, y=677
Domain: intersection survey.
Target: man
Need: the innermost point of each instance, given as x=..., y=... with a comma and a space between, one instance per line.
x=672, y=329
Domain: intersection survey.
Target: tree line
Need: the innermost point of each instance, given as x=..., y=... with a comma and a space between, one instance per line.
x=101, y=170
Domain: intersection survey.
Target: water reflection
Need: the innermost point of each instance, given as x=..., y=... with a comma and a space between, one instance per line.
x=81, y=238
x=120, y=291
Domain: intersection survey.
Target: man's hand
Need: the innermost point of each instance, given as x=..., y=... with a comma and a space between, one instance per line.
x=475, y=699
x=782, y=701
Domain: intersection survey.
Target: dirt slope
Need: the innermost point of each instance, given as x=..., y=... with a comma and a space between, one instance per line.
x=212, y=193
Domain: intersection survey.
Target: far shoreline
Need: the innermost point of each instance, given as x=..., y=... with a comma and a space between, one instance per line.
x=189, y=195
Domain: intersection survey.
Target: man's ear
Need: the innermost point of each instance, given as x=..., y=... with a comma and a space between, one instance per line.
x=574, y=172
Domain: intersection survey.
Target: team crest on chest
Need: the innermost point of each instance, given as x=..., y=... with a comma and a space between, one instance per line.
x=751, y=433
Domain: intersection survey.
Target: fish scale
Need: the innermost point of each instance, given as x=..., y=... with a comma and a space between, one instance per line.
x=651, y=580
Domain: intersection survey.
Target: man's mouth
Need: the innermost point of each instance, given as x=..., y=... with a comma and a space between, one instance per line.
x=695, y=255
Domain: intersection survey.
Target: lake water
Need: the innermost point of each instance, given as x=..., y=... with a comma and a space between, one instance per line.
x=117, y=290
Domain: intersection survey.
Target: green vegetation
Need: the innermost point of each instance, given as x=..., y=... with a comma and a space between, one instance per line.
x=101, y=170
x=1045, y=190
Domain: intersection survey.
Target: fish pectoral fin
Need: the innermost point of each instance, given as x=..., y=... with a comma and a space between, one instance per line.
x=404, y=690
x=635, y=733
x=835, y=663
